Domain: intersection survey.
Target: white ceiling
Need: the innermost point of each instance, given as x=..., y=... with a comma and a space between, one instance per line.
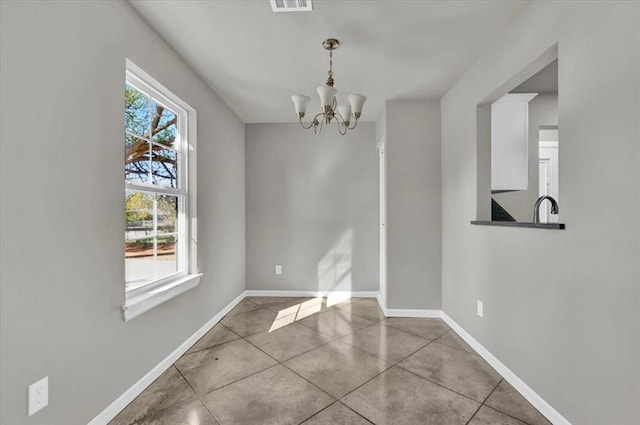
x=256, y=59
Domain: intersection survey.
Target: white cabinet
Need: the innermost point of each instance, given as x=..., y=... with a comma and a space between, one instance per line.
x=510, y=142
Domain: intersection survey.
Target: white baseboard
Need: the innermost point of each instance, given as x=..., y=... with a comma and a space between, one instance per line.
x=121, y=402
x=345, y=294
x=382, y=302
x=536, y=400
x=396, y=312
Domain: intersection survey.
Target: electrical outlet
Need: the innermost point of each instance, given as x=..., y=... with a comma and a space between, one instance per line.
x=38, y=395
x=480, y=309
x=278, y=269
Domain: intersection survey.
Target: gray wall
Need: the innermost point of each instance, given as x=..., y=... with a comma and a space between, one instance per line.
x=312, y=206
x=543, y=110
x=560, y=307
x=412, y=149
x=62, y=273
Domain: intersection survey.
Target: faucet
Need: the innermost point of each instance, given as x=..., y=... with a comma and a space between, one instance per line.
x=536, y=207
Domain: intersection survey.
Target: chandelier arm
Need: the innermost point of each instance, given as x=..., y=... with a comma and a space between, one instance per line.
x=342, y=129
x=307, y=127
x=315, y=119
x=346, y=127
x=319, y=128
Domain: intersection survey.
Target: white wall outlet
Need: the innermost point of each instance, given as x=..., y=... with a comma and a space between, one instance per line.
x=38, y=395
x=480, y=309
x=278, y=269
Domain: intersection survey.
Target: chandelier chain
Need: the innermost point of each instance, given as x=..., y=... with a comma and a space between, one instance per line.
x=330, y=79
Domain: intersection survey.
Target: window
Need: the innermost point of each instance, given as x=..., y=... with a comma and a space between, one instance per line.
x=158, y=193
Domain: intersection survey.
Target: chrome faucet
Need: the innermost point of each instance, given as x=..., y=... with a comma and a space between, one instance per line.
x=536, y=207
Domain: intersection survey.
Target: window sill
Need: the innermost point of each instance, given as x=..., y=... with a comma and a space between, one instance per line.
x=137, y=304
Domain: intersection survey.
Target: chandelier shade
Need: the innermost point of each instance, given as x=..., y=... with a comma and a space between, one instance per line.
x=327, y=95
x=300, y=103
x=330, y=111
x=357, y=102
x=345, y=113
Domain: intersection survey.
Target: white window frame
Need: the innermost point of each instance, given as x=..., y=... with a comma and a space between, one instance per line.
x=143, y=298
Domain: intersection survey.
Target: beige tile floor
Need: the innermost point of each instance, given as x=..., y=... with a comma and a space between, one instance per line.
x=305, y=361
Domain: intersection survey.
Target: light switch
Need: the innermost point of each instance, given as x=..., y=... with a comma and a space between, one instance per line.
x=278, y=269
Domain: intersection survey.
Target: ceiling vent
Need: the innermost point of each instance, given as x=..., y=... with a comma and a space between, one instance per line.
x=291, y=5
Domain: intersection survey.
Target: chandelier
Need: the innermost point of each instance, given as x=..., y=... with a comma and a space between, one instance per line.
x=342, y=114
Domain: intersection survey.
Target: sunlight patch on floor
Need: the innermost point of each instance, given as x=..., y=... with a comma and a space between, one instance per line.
x=288, y=315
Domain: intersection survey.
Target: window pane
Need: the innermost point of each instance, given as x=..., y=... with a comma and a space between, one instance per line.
x=164, y=168
x=154, y=233
x=163, y=125
x=139, y=263
x=136, y=116
x=136, y=159
x=138, y=214
x=167, y=259
x=167, y=213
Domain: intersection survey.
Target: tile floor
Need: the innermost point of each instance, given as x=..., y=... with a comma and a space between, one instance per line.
x=305, y=361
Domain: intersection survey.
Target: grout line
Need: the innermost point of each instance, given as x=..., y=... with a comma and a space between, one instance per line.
x=389, y=368
x=361, y=316
x=493, y=390
x=296, y=373
x=307, y=380
x=483, y=403
x=421, y=336
x=514, y=417
x=247, y=298
x=474, y=414
x=331, y=336
x=311, y=349
x=318, y=412
x=414, y=352
x=456, y=348
x=230, y=314
x=240, y=379
x=189, y=352
x=496, y=409
x=228, y=328
x=440, y=385
x=427, y=342
x=357, y=413
x=261, y=350
x=288, y=368
x=196, y=393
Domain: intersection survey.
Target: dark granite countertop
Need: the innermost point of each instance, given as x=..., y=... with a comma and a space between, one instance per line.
x=557, y=226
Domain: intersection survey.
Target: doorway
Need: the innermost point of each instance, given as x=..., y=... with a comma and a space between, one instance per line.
x=383, y=221
x=548, y=170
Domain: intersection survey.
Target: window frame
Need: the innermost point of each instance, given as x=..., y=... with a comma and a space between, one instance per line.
x=142, y=298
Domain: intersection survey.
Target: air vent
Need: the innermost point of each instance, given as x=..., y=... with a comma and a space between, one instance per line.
x=291, y=5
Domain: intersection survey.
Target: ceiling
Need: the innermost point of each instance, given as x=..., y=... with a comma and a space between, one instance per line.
x=256, y=59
